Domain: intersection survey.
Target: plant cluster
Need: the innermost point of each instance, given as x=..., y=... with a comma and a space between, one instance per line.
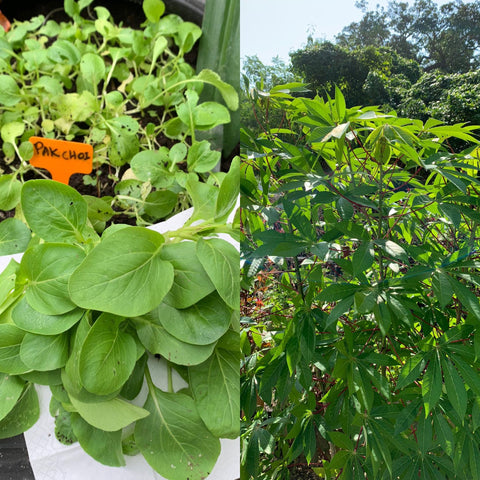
x=128, y=92
x=368, y=224
x=88, y=315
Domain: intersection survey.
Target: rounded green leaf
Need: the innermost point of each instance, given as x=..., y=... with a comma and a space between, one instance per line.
x=201, y=158
x=92, y=67
x=14, y=236
x=107, y=357
x=153, y=9
x=11, y=387
x=157, y=340
x=10, y=340
x=104, y=447
x=9, y=91
x=191, y=283
x=209, y=115
x=23, y=415
x=44, y=352
x=28, y=319
x=110, y=415
x=221, y=261
x=160, y=203
x=149, y=165
x=10, y=131
x=10, y=188
x=124, y=274
x=216, y=389
x=174, y=440
x=201, y=324
x=54, y=211
x=45, y=270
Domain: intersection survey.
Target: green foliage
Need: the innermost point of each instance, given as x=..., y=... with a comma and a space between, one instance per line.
x=360, y=295
x=86, y=314
x=441, y=37
x=125, y=91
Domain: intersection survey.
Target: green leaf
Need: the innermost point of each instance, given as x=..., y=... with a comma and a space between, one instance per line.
x=92, y=68
x=10, y=340
x=44, y=352
x=124, y=274
x=153, y=10
x=424, y=434
x=392, y=249
x=442, y=288
x=30, y=320
x=107, y=357
x=221, y=261
x=54, y=211
x=229, y=191
x=104, y=447
x=228, y=92
x=204, y=199
x=469, y=375
x=191, y=282
x=110, y=415
x=444, y=434
x=216, y=389
x=201, y=324
x=338, y=291
x=9, y=91
x=23, y=415
x=10, y=131
x=173, y=439
x=363, y=257
x=411, y=370
x=11, y=387
x=10, y=189
x=466, y=296
x=45, y=270
x=157, y=340
x=201, y=158
x=455, y=387
x=14, y=236
x=160, y=203
x=432, y=385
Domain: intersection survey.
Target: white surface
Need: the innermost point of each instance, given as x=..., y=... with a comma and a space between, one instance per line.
x=52, y=460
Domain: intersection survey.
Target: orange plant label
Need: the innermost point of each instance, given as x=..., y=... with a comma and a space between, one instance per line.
x=61, y=158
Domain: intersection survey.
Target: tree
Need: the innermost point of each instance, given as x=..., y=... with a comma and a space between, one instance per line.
x=445, y=37
x=324, y=65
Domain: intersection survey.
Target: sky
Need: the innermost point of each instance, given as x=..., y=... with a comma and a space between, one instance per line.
x=275, y=27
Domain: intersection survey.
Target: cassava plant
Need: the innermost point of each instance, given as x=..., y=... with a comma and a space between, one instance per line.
x=90, y=316
x=367, y=224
